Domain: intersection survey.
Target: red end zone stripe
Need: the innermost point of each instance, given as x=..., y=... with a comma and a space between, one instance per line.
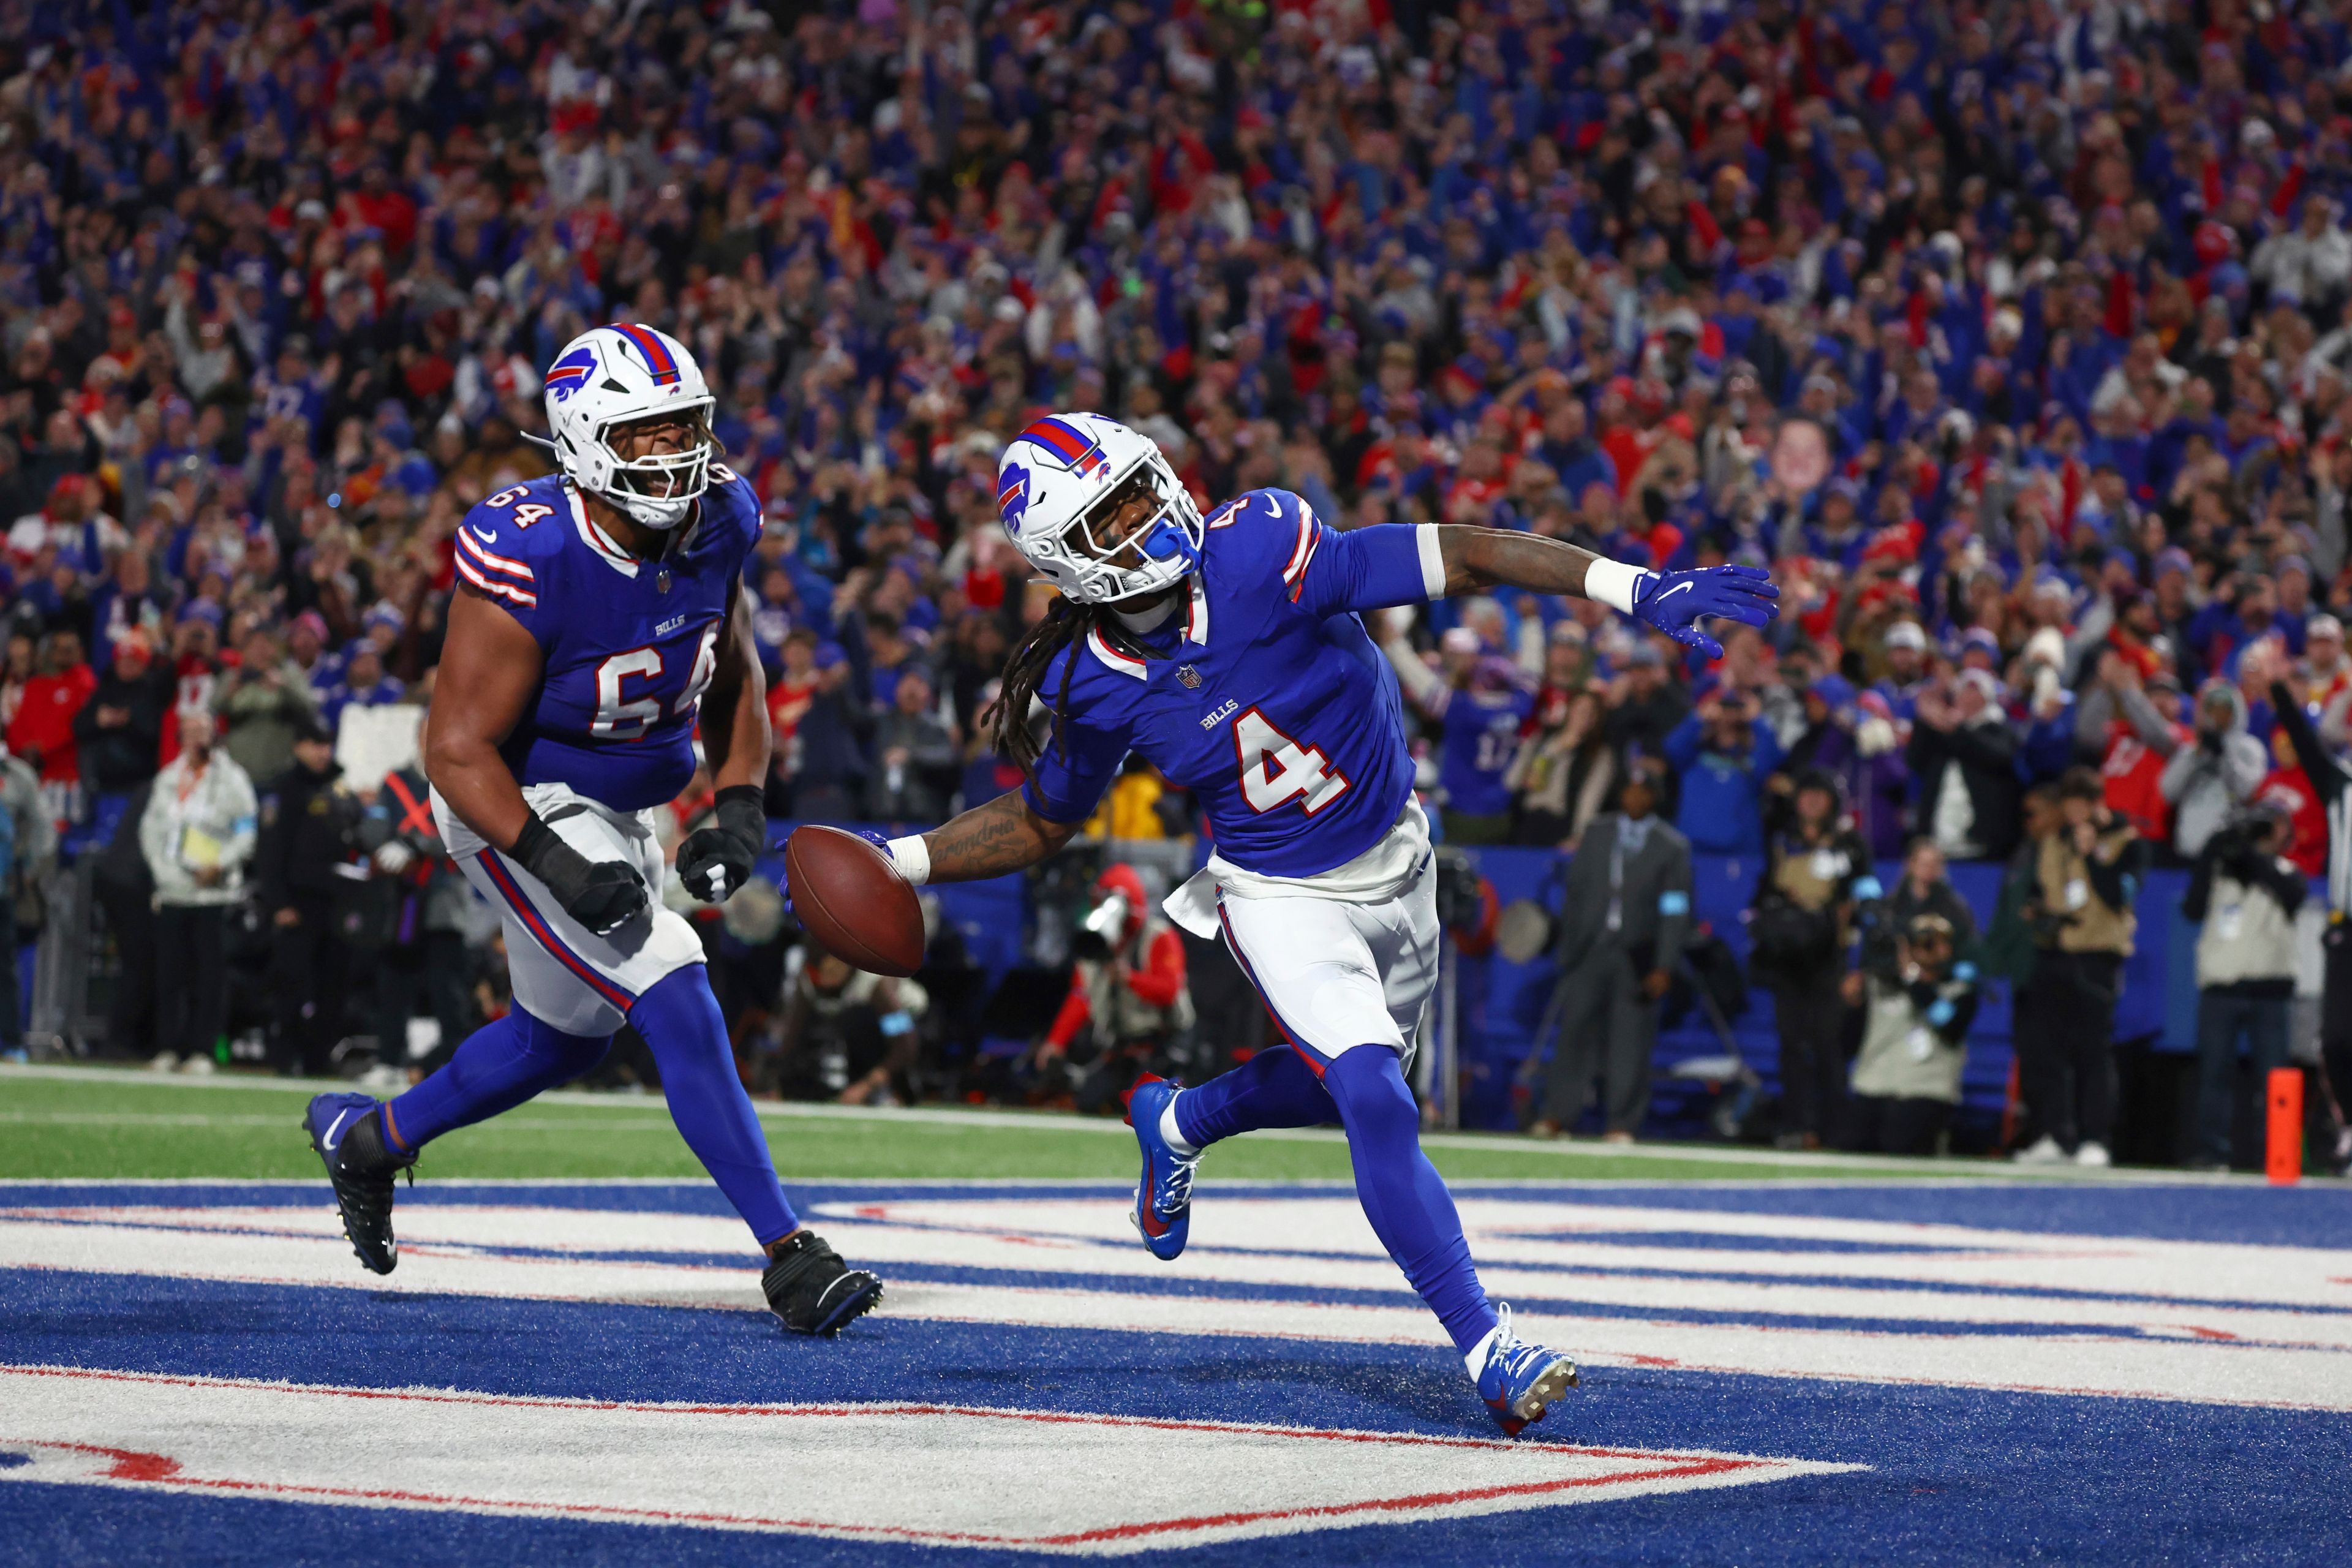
x=546, y=937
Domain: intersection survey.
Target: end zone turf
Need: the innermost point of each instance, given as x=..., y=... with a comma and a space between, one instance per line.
x=1816, y=1365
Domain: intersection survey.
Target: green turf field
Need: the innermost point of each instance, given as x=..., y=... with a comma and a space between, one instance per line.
x=96, y=1122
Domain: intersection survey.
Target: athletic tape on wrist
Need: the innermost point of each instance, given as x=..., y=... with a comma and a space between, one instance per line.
x=912, y=856
x=1614, y=584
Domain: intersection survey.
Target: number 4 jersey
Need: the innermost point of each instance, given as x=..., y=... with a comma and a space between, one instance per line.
x=630, y=645
x=1264, y=695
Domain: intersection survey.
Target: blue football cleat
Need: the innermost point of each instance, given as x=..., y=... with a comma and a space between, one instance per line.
x=348, y=1134
x=1520, y=1380
x=1163, y=1199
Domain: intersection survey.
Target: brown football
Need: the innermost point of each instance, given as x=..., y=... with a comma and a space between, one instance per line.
x=853, y=901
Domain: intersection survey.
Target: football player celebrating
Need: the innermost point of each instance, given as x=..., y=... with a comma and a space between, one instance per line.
x=1228, y=652
x=599, y=614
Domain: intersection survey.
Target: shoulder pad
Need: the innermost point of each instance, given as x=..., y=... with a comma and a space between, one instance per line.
x=1266, y=532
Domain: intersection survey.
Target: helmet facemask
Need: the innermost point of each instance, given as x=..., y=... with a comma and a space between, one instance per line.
x=659, y=488
x=1154, y=550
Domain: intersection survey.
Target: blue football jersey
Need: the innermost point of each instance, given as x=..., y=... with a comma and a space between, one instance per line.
x=630, y=645
x=1272, y=704
x=1480, y=737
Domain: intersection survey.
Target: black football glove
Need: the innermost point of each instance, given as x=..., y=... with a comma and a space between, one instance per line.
x=603, y=895
x=716, y=860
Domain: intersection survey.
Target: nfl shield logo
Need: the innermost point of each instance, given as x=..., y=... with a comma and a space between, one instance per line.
x=1190, y=676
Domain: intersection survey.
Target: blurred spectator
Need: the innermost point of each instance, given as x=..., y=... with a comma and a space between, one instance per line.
x=41, y=730
x=1723, y=752
x=1852, y=738
x=263, y=702
x=421, y=969
x=1916, y=1008
x=2245, y=894
x=915, y=760
x=1624, y=915
x=118, y=733
x=1565, y=773
x=2086, y=879
x=2133, y=727
x=2208, y=779
x=1963, y=755
x=1479, y=702
x=1802, y=917
x=308, y=822
x=196, y=834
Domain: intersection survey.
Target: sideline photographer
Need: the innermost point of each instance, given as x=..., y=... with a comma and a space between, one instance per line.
x=1129, y=1003
x=2244, y=893
x=2087, y=874
x=1917, y=1006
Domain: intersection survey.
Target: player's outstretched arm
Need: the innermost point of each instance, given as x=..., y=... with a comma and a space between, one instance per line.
x=990, y=840
x=1674, y=601
x=490, y=665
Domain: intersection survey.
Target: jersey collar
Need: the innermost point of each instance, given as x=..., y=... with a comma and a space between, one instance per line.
x=596, y=539
x=1196, y=610
x=1114, y=659
x=611, y=554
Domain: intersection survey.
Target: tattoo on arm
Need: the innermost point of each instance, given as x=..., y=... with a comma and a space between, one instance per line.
x=1479, y=558
x=990, y=841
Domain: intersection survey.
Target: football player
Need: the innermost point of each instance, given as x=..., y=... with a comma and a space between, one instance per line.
x=1229, y=652
x=599, y=615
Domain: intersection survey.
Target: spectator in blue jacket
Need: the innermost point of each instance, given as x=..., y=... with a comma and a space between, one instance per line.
x=1723, y=752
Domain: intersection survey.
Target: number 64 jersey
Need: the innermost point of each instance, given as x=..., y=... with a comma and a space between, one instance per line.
x=630, y=645
x=1266, y=697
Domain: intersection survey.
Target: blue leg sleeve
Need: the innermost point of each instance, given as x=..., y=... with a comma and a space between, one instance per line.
x=1273, y=1089
x=500, y=1065
x=680, y=1021
x=1402, y=1194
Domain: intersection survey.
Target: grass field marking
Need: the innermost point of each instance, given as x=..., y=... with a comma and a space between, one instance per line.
x=1055, y=1122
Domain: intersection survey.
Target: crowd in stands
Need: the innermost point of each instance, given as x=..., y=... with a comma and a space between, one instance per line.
x=2013, y=338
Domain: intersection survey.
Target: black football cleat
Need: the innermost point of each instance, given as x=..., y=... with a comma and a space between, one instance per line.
x=811, y=1290
x=347, y=1131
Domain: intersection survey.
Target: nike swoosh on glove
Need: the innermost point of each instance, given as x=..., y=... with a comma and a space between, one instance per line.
x=879, y=840
x=1674, y=601
x=716, y=860
x=603, y=895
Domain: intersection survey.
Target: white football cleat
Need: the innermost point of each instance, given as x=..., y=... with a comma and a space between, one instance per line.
x=2094, y=1155
x=2045, y=1152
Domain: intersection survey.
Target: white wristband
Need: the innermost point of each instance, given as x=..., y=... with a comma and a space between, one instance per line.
x=1612, y=583
x=912, y=856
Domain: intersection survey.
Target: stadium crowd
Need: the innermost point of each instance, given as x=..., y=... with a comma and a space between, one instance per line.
x=2013, y=338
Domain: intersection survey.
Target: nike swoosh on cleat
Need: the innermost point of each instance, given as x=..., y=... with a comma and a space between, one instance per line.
x=329, y=1141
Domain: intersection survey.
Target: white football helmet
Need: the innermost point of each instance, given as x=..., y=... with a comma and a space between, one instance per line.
x=611, y=376
x=1060, y=483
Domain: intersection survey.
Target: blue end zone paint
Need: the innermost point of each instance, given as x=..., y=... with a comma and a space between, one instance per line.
x=1958, y=1476
x=2315, y=1214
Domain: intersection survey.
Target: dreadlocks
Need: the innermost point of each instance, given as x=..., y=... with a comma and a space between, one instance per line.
x=1067, y=622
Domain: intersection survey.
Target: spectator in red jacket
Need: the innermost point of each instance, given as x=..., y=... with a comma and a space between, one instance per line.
x=42, y=733
x=2134, y=726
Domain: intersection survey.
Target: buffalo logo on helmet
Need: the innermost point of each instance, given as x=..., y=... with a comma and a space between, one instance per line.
x=564, y=377
x=1013, y=495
